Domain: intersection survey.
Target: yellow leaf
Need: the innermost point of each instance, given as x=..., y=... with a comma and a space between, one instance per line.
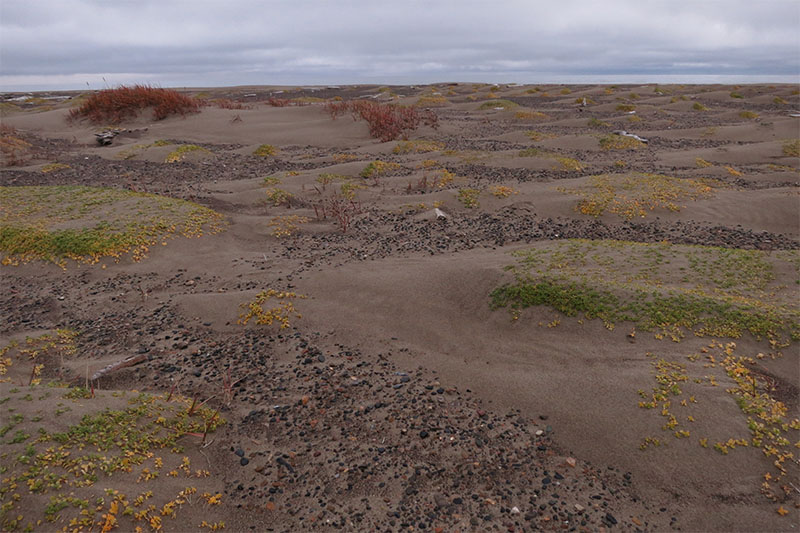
x=782, y=511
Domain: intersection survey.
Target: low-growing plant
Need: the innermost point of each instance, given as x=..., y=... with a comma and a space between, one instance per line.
x=597, y=123
x=622, y=281
x=469, y=197
x=261, y=313
x=734, y=94
x=697, y=106
x=633, y=195
x=279, y=197
x=15, y=150
x=530, y=115
x=265, y=150
x=431, y=101
x=791, y=148
x=503, y=191
x=31, y=220
x=539, y=136
x=569, y=163
x=619, y=142
x=779, y=101
x=179, y=154
x=115, y=105
x=284, y=226
x=379, y=168
x=748, y=114
x=626, y=108
x=702, y=163
x=54, y=167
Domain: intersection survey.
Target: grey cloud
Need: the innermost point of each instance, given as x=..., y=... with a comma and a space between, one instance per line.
x=237, y=42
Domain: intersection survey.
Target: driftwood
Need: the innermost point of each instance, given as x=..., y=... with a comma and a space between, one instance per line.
x=105, y=138
x=113, y=367
x=626, y=134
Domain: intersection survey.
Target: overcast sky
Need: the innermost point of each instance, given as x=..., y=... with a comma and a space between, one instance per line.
x=65, y=44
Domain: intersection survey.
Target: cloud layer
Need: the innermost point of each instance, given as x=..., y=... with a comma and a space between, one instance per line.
x=52, y=43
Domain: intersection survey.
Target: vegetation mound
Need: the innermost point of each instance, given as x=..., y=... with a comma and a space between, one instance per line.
x=56, y=223
x=669, y=289
x=115, y=105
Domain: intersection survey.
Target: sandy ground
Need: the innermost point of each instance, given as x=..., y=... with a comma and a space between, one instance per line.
x=400, y=399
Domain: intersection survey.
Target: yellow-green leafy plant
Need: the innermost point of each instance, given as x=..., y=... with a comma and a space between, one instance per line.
x=279, y=197
x=286, y=225
x=179, y=154
x=469, y=197
x=265, y=150
x=270, y=307
x=633, y=195
x=503, y=191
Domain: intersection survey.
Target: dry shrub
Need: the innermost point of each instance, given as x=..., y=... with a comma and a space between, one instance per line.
x=386, y=122
x=115, y=105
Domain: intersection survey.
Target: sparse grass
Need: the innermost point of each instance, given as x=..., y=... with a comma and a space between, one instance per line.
x=626, y=108
x=54, y=167
x=344, y=158
x=633, y=195
x=431, y=101
x=734, y=94
x=748, y=115
x=56, y=223
x=418, y=147
x=702, y=163
x=732, y=171
x=791, y=148
x=530, y=115
x=265, y=150
x=115, y=105
x=779, y=101
x=179, y=154
x=619, y=142
x=495, y=104
x=502, y=191
x=697, y=106
x=597, y=123
x=718, y=292
x=564, y=163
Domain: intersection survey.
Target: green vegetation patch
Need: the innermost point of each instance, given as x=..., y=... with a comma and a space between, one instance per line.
x=634, y=194
x=494, y=104
x=619, y=142
x=56, y=223
x=179, y=154
x=668, y=289
x=791, y=148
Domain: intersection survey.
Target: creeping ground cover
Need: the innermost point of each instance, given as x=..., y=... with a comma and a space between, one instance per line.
x=660, y=287
x=57, y=223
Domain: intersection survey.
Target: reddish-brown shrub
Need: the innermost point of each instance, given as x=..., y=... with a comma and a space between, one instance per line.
x=278, y=102
x=386, y=122
x=115, y=105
